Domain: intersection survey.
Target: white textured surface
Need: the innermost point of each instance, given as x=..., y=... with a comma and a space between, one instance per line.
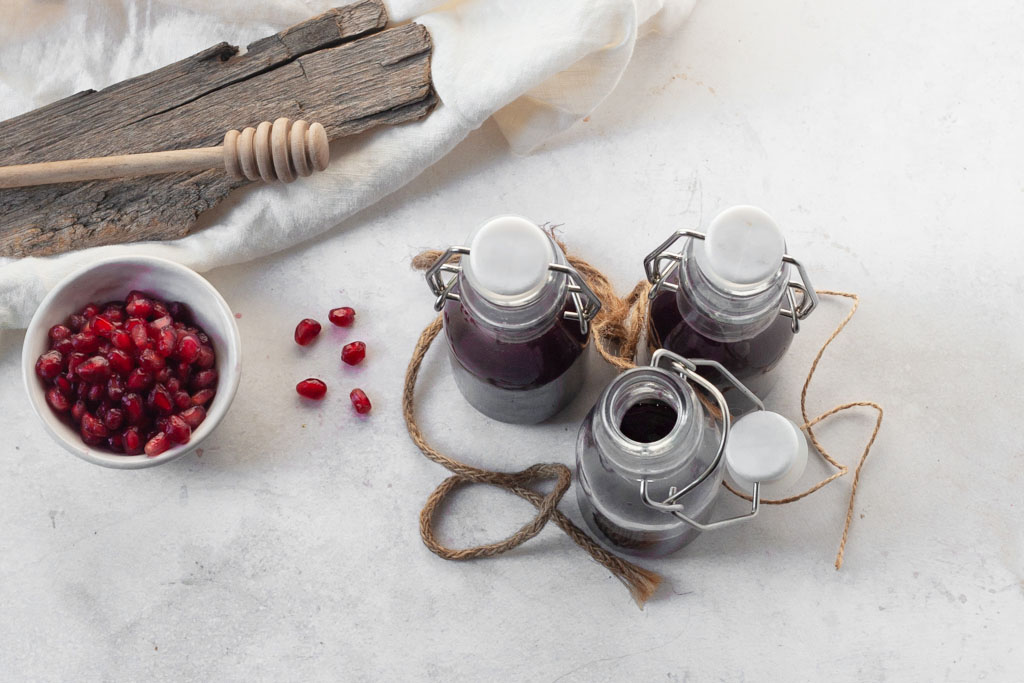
x=884, y=137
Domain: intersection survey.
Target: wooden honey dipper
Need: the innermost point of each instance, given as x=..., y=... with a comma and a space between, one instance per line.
x=279, y=151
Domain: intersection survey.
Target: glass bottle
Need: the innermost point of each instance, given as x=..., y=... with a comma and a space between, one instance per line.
x=650, y=458
x=727, y=296
x=516, y=319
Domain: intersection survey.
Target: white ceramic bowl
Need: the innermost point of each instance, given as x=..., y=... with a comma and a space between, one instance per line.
x=112, y=279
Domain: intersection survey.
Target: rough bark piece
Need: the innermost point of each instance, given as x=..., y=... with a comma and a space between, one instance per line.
x=339, y=68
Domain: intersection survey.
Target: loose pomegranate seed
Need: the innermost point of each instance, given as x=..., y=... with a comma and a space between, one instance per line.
x=63, y=384
x=160, y=323
x=187, y=348
x=160, y=400
x=57, y=400
x=342, y=317
x=202, y=397
x=151, y=360
x=102, y=326
x=120, y=362
x=74, y=360
x=91, y=311
x=306, y=331
x=93, y=426
x=114, y=312
x=50, y=364
x=58, y=332
x=131, y=441
x=159, y=309
x=353, y=353
x=177, y=429
x=76, y=322
x=116, y=443
x=139, y=379
x=204, y=379
x=132, y=323
x=95, y=393
x=140, y=337
x=64, y=346
x=194, y=416
x=166, y=341
x=113, y=419
x=311, y=388
x=95, y=369
x=180, y=312
x=134, y=409
x=91, y=440
x=359, y=401
x=157, y=445
x=85, y=342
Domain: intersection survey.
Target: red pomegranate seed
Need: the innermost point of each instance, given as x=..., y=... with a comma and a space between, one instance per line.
x=194, y=416
x=102, y=326
x=74, y=360
x=57, y=400
x=91, y=311
x=206, y=358
x=181, y=399
x=139, y=307
x=114, y=312
x=63, y=384
x=131, y=441
x=76, y=322
x=187, y=348
x=90, y=440
x=311, y=388
x=134, y=409
x=157, y=445
x=353, y=353
x=95, y=369
x=113, y=419
x=116, y=443
x=151, y=360
x=85, y=342
x=58, y=332
x=121, y=339
x=342, y=317
x=132, y=323
x=95, y=393
x=139, y=379
x=50, y=364
x=115, y=388
x=159, y=309
x=160, y=323
x=165, y=341
x=183, y=373
x=140, y=337
x=93, y=426
x=204, y=379
x=120, y=362
x=78, y=409
x=161, y=400
x=180, y=312
x=360, y=402
x=306, y=331
x=177, y=429
x=64, y=346
x=202, y=397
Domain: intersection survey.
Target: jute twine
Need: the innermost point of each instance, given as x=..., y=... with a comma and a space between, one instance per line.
x=616, y=331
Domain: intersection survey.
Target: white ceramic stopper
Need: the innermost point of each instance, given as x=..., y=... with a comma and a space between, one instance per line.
x=744, y=245
x=508, y=260
x=765, y=447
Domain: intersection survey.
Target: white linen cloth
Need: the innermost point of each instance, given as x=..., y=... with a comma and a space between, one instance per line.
x=537, y=66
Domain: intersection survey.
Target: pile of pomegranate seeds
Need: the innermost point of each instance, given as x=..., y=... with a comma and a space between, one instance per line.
x=134, y=377
x=352, y=353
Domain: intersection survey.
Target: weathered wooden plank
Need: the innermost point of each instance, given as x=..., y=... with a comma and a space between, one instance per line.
x=338, y=68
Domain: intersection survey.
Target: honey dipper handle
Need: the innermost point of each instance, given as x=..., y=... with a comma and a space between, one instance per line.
x=75, y=170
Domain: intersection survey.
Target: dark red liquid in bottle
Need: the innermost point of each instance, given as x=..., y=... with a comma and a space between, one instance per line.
x=750, y=360
x=515, y=380
x=648, y=421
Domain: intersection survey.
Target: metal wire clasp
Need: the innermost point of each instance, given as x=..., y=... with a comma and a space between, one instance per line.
x=585, y=302
x=668, y=360
x=658, y=277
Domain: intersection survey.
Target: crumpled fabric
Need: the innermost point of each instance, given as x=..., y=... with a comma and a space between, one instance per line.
x=536, y=66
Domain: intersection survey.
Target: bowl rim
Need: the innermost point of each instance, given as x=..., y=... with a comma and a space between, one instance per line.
x=226, y=388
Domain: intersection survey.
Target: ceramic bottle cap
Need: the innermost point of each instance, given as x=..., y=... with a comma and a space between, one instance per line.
x=744, y=245
x=765, y=447
x=509, y=259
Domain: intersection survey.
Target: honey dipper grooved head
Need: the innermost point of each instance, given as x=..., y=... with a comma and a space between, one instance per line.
x=281, y=151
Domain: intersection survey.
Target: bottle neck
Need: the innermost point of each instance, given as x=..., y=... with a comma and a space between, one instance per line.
x=523, y=319
x=723, y=310
x=655, y=459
